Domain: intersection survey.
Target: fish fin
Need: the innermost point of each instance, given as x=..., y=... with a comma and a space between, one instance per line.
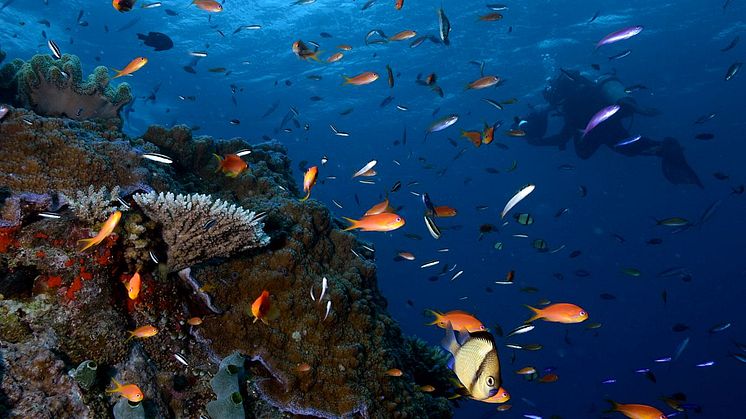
x=463, y=336
x=220, y=162
x=537, y=313
x=305, y=197
x=451, y=362
x=255, y=319
x=347, y=80
x=434, y=313
x=315, y=56
x=449, y=341
x=87, y=243
x=353, y=225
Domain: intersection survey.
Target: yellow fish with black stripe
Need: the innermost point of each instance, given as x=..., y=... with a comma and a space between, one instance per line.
x=474, y=361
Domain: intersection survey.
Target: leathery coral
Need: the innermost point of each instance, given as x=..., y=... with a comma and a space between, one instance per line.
x=56, y=88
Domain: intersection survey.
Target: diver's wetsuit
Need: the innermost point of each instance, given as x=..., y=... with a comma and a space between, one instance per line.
x=576, y=99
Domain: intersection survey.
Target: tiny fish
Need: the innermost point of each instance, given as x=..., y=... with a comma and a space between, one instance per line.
x=159, y=158
x=55, y=49
x=429, y=264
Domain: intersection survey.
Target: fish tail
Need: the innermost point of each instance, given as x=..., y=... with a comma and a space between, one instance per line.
x=537, y=313
x=353, y=224
x=305, y=197
x=220, y=162
x=117, y=386
x=614, y=406
x=87, y=243
x=347, y=80
x=315, y=56
x=119, y=73
x=437, y=315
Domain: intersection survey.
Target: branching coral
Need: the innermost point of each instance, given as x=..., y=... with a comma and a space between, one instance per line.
x=196, y=228
x=94, y=206
x=56, y=88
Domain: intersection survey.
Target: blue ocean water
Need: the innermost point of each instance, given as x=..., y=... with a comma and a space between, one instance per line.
x=677, y=57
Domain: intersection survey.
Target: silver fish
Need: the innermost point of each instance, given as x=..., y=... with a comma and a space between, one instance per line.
x=55, y=49
x=444, y=26
x=328, y=308
x=158, y=158
x=733, y=70
x=432, y=227
x=524, y=328
x=429, y=264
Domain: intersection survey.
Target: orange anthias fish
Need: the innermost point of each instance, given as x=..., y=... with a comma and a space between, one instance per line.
x=380, y=222
x=490, y=17
x=379, y=208
x=123, y=5
x=515, y=133
x=403, y=35
x=208, y=5
x=559, y=313
x=474, y=136
x=133, y=286
x=501, y=396
x=399, y=4
x=394, y=372
x=262, y=309
x=130, y=392
x=488, y=134
x=133, y=66
x=361, y=79
x=445, y=211
x=231, y=165
x=302, y=51
x=335, y=57
x=460, y=320
x=309, y=179
x=636, y=411
x=105, y=231
x=142, y=332
x=484, y=82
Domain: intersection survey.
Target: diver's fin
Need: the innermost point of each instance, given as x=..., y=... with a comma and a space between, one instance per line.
x=674, y=165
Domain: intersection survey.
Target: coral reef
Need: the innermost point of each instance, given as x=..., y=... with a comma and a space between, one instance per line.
x=56, y=88
x=196, y=228
x=61, y=308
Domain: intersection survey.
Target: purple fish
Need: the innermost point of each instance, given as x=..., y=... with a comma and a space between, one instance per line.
x=600, y=117
x=619, y=35
x=628, y=141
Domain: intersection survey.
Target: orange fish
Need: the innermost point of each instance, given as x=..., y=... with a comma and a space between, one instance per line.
x=123, y=5
x=309, y=180
x=515, y=133
x=399, y=4
x=231, y=165
x=304, y=367
x=262, y=309
x=394, y=372
x=460, y=320
x=491, y=17
x=526, y=371
x=504, y=408
x=445, y=211
x=133, y=286
x=361, y=79
x=403, y=35
x=474, y=136
x=208, y=5
x=335, y=57
x=105, y=231
x=406, y=255
x=194, y=321
x=636, y=411
x=130, y=392
x=303, y=52
x=484, y=82
x=142, y=332
x=380, y=222
x=501, y=396
x=133, y=66
x=344, y=47
x=379, y=208
x=559, y=313
x=549, y=378
x=488, y=134
x=427, y=388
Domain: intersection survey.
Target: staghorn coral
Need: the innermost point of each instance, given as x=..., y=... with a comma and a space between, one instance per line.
x=196, y=228
x=94, y=206
x=56, y=88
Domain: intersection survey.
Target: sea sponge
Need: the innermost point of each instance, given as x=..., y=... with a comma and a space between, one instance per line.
x=124, y=409
x=230, y=407
x=56, y=88
x=196, y=228
x=85, y=374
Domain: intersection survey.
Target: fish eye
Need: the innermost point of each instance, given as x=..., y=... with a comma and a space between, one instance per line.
x=582, y=313
x=398, y=219
x=490, y=381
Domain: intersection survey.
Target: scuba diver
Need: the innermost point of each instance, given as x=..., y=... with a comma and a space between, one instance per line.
x=576, y=99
